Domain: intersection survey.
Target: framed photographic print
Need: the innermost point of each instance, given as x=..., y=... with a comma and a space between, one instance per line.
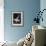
x=17, y=18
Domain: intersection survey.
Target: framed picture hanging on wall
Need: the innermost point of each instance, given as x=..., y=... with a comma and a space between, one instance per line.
x=17, y=18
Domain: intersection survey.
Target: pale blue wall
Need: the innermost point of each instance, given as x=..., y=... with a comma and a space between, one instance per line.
x=29, y=7
x=43, y=6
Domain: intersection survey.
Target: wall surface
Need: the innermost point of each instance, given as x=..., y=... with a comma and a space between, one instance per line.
x=30, y=7
x=43, y=6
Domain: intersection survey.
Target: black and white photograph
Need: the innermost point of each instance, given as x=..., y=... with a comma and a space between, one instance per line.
x=17, y=18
